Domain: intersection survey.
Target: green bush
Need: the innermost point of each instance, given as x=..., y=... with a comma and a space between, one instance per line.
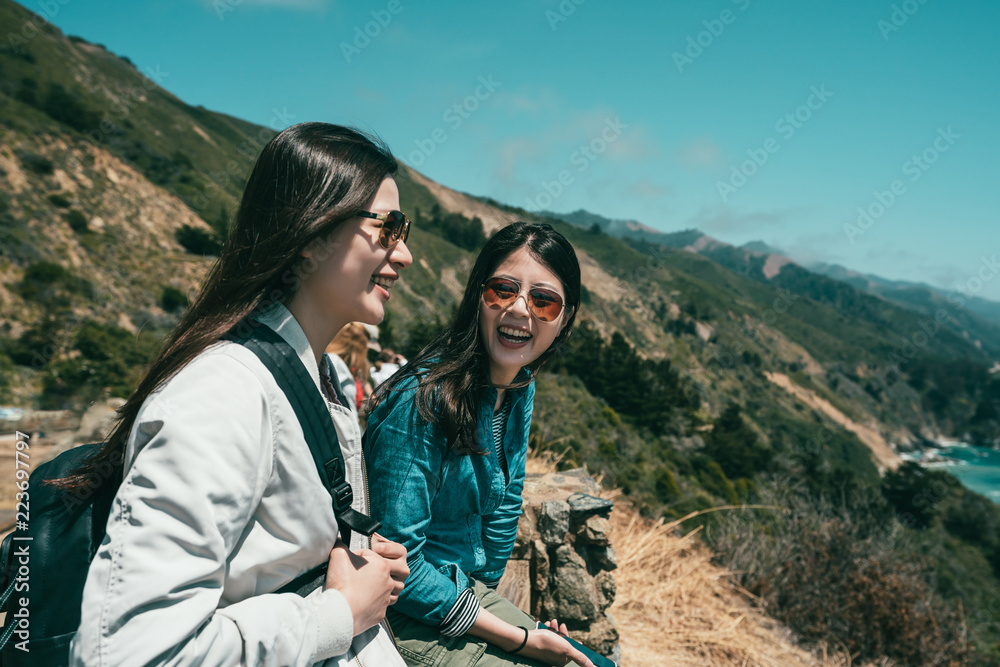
x=173, y=299
x=35, y=163
x=837, y=574
x=198, y=241
x=59, y=200
x=914, y=492
x=37, y=345
x=67, y=108
x=77, y=221
x=53, y=286
x=736, y=447
x=110, y=361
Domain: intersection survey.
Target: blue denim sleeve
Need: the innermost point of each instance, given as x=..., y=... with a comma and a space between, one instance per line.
x=500, y=527
x=404, y=467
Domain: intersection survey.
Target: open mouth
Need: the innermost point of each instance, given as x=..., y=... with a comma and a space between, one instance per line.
x=512, y=335
x=383, y=282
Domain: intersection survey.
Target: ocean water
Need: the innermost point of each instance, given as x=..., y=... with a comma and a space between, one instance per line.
x=978, y=468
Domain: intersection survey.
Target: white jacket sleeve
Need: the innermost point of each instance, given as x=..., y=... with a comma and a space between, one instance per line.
x=154, y=590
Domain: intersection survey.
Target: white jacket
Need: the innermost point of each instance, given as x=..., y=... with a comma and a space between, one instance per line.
x=220, y=504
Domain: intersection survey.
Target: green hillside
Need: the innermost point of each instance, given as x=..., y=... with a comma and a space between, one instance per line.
x=691, y=382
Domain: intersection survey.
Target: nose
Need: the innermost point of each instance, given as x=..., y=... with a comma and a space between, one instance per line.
x=520, y=306
x=400, y=255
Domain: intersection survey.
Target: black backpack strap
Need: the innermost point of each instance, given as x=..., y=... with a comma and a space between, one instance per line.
x=314, y=417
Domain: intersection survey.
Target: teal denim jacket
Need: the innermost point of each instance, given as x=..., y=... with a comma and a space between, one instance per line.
x=456, y=515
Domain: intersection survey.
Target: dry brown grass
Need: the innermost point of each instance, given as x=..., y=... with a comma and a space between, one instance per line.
x=675, y=607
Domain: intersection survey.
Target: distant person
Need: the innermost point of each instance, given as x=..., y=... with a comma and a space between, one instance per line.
x=350, y=345
x=447, y=442
x=221, y=503
x=387, y=363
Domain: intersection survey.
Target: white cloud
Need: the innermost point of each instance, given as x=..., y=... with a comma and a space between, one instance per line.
x=700, y=153
x=647, y=189
x=723, y=220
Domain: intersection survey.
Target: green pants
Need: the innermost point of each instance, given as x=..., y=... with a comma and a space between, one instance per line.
x=423, y=646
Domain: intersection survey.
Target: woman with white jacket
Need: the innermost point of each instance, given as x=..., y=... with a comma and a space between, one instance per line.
x=221, y=503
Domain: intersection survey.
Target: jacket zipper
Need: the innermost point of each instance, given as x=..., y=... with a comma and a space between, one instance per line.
x=364, y=478
x=356, y=656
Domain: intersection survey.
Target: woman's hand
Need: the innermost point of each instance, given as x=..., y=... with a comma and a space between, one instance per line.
x=365, y=580
x=395, y=554
x=550, y=647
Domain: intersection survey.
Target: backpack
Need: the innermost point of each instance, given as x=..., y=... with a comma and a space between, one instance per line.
x=46, y=559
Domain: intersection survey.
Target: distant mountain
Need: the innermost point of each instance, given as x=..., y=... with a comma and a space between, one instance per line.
x=976, y=319
x=763, y=248
x=918, y=295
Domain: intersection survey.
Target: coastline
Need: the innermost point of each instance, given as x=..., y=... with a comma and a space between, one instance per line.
x=977, y=468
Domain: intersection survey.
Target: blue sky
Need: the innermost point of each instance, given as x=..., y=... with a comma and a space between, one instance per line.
x=746, y=119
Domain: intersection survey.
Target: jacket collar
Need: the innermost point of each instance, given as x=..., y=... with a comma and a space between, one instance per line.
x=278, y=318
x=516, y=393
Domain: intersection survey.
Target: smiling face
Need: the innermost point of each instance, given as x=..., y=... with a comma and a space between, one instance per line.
x=348, y=276
x=512, y=336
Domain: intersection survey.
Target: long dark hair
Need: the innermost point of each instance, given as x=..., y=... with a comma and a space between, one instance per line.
x=309, y=179
x=453, y=369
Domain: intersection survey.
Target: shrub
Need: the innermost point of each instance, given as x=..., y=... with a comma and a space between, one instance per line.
x=835, y=575
x=59, y=201
x=109, y=362
x=914, y=492
x=51, y=285
x=173, y=299
x=37, y=345
x=77, y=221
x=63, y=106
x=35, y=163
x=198, y=241
x=735, y=446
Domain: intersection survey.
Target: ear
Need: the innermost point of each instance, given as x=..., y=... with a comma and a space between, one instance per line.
x=567, y=314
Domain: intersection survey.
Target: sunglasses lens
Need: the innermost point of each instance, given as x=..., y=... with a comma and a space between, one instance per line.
x=499, y=293
x=545, y=304
x=396, y=226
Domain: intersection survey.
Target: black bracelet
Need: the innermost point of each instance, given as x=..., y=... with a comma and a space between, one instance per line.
x=524, y=643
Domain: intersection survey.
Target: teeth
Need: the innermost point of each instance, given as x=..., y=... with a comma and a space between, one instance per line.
x=514, y=333
x=382, y=281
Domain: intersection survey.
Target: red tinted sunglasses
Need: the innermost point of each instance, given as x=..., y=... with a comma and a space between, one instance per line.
x=544, y=304
x=395, y=226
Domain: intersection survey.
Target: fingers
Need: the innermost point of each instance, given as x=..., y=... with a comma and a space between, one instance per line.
x=387, y=548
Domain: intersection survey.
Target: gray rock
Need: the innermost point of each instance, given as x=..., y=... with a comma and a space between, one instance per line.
x=573, y=595
x=594, y=531
x=539, y=566
x=606, y=589
x=553, y=521
x=582, y=505
x=602, y=636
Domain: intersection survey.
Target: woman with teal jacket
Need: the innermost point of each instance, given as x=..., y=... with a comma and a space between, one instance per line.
x=447, y=442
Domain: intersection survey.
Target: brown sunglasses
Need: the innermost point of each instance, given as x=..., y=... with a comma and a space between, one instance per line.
x=395, y=226
x=544, y=304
